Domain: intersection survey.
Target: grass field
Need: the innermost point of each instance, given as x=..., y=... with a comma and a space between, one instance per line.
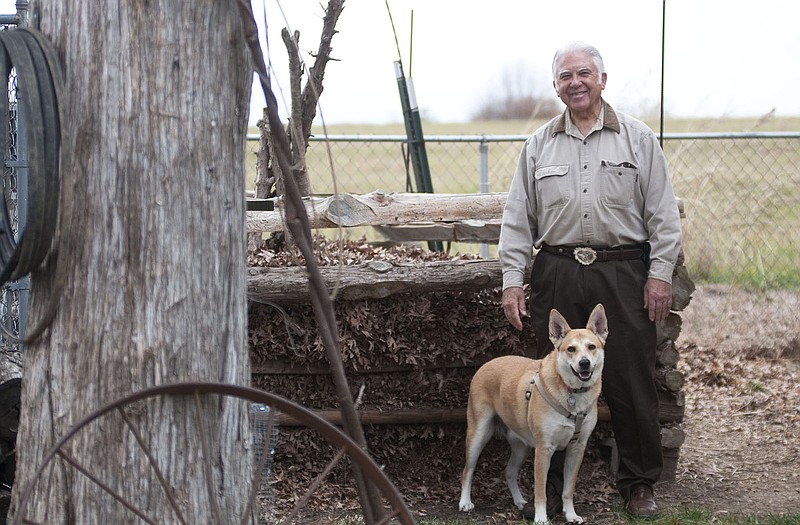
x=742, y=196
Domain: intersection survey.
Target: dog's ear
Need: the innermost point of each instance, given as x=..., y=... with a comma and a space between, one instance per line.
x=558, y=328
x=598, y=323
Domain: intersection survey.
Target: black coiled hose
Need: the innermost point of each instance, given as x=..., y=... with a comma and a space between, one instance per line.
x=40, y=88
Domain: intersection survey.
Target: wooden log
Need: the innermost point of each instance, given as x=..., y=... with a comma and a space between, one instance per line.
x=373, y=280
x=667, y=353
x=672, y=437
x=378, y=208
x=670, y=379
x=682, y=288
x=379, y=279
x=671, y=440
x=669, y=329
x=671, y=406
x=669, y=466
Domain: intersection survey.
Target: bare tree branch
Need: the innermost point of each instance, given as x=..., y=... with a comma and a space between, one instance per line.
x=298, y=140
x=298, y=223
x=313, y=88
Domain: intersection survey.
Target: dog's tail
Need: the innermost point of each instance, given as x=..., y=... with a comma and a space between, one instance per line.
x=501, y=430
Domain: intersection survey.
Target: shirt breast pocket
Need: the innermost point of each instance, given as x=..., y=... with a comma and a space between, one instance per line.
x=552, y=186
x=618, y=183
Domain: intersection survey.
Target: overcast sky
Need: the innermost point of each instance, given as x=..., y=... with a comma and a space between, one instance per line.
x=723, y=58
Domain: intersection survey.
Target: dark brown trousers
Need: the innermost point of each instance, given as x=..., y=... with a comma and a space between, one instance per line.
x=628, y=384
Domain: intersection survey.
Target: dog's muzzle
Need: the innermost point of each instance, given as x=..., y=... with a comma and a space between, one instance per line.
x=585, y=370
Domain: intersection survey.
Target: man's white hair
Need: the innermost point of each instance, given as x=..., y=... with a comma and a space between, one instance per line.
x=578, y=47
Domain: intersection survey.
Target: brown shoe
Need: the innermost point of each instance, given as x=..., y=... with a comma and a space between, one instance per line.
x=554, y=504
x=642, y=504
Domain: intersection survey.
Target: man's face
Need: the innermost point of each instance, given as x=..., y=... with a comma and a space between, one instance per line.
x=578, y=83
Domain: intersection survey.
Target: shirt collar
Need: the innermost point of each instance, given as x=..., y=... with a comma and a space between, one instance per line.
x=608, y=119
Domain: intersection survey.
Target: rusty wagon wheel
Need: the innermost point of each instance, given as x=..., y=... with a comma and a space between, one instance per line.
x=399, y=512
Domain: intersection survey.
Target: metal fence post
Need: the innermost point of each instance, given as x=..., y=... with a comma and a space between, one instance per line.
x=483, y=148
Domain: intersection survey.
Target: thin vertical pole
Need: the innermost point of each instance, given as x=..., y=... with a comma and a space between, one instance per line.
x=483, y=148
x=663, y=40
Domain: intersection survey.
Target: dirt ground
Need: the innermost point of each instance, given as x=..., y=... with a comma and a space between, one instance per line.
x=740, y=352
x=741, y=356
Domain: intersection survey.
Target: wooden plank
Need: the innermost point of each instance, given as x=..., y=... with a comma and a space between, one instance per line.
x=433, y=415
x=280, y=368
x=412, y=416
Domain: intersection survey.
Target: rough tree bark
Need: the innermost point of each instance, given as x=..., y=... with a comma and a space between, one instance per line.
x=158, y=95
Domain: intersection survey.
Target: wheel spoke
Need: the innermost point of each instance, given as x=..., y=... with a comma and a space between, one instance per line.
x=317, y=483
x=201, y=423
x=388, y=518
x=161, y=479
x=128, y=505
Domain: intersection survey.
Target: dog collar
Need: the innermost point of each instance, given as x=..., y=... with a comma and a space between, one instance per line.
x=577, y=418
x=580, y=390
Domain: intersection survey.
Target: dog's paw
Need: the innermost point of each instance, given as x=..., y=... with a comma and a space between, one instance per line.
x=575, y=519
x=465, y=506
x=520, y=503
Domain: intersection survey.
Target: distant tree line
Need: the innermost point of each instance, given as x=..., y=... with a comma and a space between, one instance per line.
x=518, y=108
x=518, y=94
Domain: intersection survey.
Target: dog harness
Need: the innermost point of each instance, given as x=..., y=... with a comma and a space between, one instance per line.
x=577, y=418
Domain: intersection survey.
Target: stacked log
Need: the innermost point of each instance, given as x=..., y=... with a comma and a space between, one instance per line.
x=670, y=380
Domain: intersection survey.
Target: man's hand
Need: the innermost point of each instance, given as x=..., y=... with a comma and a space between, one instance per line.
x=657, y=299
x=514, y=306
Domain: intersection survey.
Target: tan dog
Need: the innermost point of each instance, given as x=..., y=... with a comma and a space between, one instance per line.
x=548, y=404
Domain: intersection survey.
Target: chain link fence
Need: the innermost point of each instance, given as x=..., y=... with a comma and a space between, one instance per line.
x=741, y=191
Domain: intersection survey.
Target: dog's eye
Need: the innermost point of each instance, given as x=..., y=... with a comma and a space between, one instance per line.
x=570, y=349
x=592, y=347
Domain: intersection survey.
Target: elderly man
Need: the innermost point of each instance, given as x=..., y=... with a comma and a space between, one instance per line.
x=592, y=193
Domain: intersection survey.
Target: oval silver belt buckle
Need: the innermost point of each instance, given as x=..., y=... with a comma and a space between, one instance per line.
x=584, y=255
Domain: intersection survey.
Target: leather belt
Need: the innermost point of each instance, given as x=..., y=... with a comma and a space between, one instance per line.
x=587, y=255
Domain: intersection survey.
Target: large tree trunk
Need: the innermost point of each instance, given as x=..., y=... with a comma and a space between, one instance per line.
x=158, y=93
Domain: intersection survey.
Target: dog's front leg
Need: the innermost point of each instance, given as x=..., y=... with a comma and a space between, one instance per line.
x=541, y=466
x=572, y=464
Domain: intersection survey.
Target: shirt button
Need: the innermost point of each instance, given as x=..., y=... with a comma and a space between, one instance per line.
x=585, y=215
x=585, y=190
x=585, y=166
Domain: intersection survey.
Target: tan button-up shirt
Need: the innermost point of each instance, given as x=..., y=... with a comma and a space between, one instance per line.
x=609, y=188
